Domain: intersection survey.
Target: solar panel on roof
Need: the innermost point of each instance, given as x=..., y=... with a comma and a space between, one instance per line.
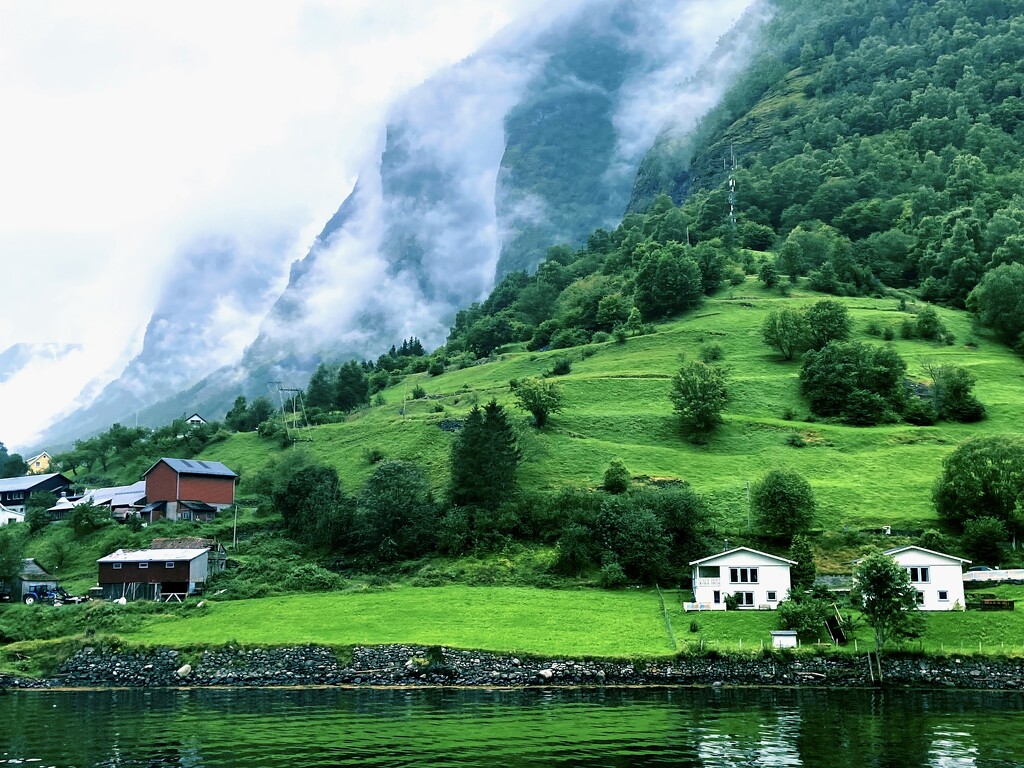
x=204, y=465
x=186, y=462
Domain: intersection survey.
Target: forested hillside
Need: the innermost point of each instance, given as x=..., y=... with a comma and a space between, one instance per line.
x=673, y=363
x=880, y=141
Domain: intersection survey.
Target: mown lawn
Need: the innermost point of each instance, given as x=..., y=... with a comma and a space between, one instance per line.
x=577, y=623
x=505, y=619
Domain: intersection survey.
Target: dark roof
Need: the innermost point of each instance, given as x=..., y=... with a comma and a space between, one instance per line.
x=33, y=571
x=154, y=506
x=28, y=482
x=198, y=506
x=194, y=467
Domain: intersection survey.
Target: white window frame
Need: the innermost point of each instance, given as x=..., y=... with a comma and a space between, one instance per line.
x=920, y=597
x=919, y=574
x=116, y=566
x=771, y=596
x=143, y=566
x=168, y=565
x=743, y=575
x=943, y=595
x=744, y=599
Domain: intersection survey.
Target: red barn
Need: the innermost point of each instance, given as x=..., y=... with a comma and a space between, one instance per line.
x=188, y=489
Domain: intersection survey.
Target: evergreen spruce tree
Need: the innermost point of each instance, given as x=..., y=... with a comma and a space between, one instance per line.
x=321, y=391
x=802, y=574
x=484, y=459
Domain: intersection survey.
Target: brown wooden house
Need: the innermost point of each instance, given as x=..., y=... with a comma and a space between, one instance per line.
x=153, y=574
x=187, y=489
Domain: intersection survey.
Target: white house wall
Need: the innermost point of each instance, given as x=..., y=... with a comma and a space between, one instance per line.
x=944, y=576
x=772, y=585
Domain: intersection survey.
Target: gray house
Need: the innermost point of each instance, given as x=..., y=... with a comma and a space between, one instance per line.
x=33, y=578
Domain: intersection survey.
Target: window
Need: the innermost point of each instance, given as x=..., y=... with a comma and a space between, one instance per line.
x=771, y=597
x=143, y=566
x=743, y=575
x=168, y=565
x=709, y=572
x=717, y=597
x=943, y=595
x=918, y=575
x=186, y=515
x=920, y=598
x=117, y=566
x=744, y=598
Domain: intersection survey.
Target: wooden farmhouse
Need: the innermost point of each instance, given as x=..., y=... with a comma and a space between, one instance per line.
x=938, y=577
x=187, y=489
x=756, y=579
x=14, y=491
x=153, y=574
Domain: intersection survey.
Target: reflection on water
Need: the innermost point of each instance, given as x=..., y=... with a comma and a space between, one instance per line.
x=512, y=729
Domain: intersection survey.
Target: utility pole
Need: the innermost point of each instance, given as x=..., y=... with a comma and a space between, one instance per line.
x=732, y=190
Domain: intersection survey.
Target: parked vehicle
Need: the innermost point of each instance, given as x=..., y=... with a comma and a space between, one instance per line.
x=56, y=596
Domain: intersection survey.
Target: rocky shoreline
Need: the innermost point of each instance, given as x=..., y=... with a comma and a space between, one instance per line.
x=404, y=665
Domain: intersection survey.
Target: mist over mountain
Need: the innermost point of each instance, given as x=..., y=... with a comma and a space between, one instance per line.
x=533, y=141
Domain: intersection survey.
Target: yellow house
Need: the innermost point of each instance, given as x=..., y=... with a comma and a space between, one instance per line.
x=39, y=465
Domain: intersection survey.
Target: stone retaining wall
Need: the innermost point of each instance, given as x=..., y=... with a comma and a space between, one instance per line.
x=402, y=665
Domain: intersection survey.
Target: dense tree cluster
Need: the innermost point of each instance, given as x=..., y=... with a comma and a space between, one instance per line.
x=122, y=453
x=894, y=154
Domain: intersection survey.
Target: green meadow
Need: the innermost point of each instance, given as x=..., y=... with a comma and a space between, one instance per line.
x=617, y=406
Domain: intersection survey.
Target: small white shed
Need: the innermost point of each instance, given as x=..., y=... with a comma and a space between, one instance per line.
x=757, y=579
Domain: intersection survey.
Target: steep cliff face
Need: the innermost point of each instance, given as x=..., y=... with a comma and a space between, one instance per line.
x=533, y=141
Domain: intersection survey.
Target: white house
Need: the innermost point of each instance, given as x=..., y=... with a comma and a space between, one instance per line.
x=757, y=579
x=938, y=577
x=8, y=515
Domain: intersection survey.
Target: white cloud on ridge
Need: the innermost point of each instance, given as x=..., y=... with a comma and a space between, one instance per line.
x=133, y=130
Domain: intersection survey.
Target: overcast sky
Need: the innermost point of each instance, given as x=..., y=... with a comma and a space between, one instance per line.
x=131, y=129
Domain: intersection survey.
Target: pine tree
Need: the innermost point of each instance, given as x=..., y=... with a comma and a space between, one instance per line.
x=484, y=459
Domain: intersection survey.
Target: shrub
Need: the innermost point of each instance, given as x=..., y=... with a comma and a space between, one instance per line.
x=694, y=626
x=711, y=352
x=373, y=455
x=620, y=334
x=929, y=326
x=436, y=367
x=438, y=408
x=732, y=603
x=788, y=415
x=562, y=366
x=873, y=328
x=611, y=576
x=907, y=330
x=920, y=413
x=617, y=478
x=737, y=277
x=569, y=337
x=888, y=333
x=600, y=337
x=418, y=392
x=796, y=440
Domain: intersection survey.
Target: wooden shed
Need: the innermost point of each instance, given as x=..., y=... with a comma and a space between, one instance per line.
x=153, y=574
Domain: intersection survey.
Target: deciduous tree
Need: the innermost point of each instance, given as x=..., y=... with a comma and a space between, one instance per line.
x=785, y=329
x=699, y=395
x=887, y=598
x=540, y=397
x=783, y=503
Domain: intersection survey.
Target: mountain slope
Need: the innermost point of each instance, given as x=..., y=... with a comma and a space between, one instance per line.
x=533, y=141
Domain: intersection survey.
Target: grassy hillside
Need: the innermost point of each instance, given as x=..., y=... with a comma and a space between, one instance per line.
x=617, y=406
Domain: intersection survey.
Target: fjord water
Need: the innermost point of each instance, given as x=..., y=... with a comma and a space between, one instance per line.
x=513, y=729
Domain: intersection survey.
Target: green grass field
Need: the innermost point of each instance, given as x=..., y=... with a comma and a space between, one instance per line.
x=616, y=405
x=598, y=623
x=506, y=619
